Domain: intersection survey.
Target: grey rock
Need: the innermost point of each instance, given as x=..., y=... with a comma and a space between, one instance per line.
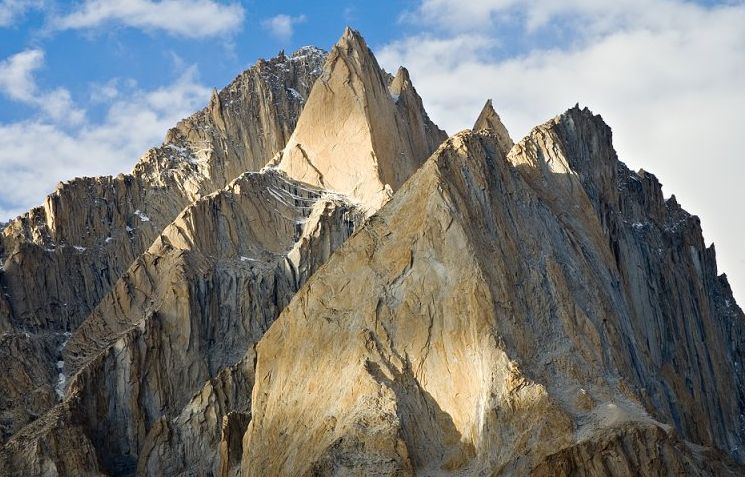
x=59, y=260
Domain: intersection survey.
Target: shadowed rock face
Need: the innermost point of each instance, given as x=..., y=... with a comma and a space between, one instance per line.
x=512, y=309
x=682, y=332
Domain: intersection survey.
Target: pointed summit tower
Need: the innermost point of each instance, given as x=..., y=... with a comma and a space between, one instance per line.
x=489, y=119
x=358, y=134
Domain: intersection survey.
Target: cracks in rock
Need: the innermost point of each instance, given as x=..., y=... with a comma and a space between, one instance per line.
x=312, y=166
x=425, y=349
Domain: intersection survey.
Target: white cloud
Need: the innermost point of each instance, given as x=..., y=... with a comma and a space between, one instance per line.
x=17, y=83
x=186, y=18
x=667, y=76
x=36, y=154
x=590, y=16
x=104, y=93
x=283, y=26
x=16, y=79
x=12, y=9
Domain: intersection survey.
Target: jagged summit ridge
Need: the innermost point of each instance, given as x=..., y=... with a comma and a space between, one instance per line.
x=354, y=137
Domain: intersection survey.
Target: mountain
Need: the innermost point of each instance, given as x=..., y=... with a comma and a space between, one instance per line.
x=62, y=258
x=310, y=278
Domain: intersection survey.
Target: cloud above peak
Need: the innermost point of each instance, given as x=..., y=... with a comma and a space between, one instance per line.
x=282, y=27
x=593, y=16
x=183, y=18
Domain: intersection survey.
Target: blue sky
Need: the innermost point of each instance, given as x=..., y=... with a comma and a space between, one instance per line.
x=80, y=58
x=87, y=86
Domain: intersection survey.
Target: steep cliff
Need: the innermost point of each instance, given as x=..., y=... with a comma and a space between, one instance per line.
x=194, y=303
x=60, y=259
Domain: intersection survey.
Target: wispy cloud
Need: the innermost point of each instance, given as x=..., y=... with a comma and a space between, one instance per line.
x=185, y=18
x=282, y=27
x=594, y=16
x=10, y=10
x=17, y=83
x=667, y=76
x=35, y=154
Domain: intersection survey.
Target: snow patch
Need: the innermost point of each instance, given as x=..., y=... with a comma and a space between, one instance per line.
x=79, y=248
x=142, y=216
x=294, y=93
x=248, y=259
x=61, y=378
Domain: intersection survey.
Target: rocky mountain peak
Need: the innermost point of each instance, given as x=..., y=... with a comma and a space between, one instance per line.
x=354, y=135
x=489, y=119
x=60, y=259
x=401, y=81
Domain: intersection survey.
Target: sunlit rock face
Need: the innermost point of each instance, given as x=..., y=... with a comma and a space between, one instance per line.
x=487, y=321
x=362, y=133
x=310, y=278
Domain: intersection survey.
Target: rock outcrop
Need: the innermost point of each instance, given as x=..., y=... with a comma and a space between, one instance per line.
x=374, y=301
x=192, y=305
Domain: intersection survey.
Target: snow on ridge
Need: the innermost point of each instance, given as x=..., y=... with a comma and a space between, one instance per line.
x=295, y=94
x=305, y=51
